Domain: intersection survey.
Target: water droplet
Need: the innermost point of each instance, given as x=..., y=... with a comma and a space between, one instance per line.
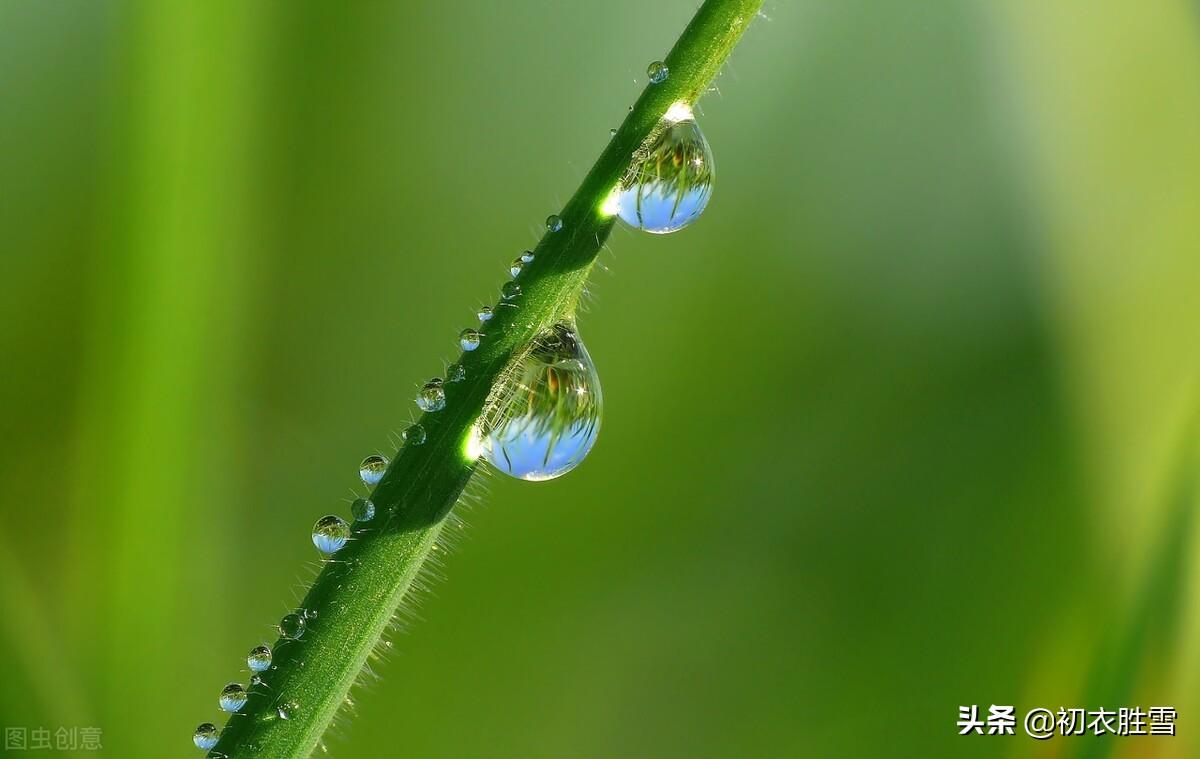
x=554, y=222
x=527, y=256
x=287, y=709
x=515, y=267
x=363, y=510
x=233, y=697
x=455, y=373
x=372, y=468
x=671, y=182
x=259, y=659
x=510, y=290
x=544, y=418
x=485, y=313
x=206, y=736
x=256, y=680
x=415, y=435
x=432, y=397
x=292, y=626
x=469, y=339
x=330, y=533
x=658, y=72
x=612, y=132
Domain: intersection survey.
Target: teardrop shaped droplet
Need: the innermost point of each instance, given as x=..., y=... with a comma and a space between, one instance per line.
x=671, y=182
x=432, y=396
x=372, y=468
x=259, y=659
x=206, y=736
x=469, y=339
x=485, y=313
x=415, y=435
x=292, y=626
x=658, y=72
x=233, y=697
x=330, y=533
x=544, y=416
x=363, y=510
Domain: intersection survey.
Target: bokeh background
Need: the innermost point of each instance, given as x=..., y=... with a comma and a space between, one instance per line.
x=901, y=424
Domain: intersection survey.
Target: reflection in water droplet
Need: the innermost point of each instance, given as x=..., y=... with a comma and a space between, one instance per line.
x=259, y=659
x=432, y=397
x=206, y=736
x=330, y=533
x=515, y=267
x=233, y=697
x=657, y=72
x=544, y=415
x=372, y=468
x=363, y=510
x=485, y=313
x=672, y=180
x=455, y=373
x=415, y=435
x=527, y=257
x=469, y=339
x=554, y=222
x=292, y=626
x=510, y=290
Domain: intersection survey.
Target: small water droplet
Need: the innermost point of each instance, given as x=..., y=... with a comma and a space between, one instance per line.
x=469, y=339
x=206, y=736
x=527, y=256
x=259, y=659
x=515, y=267
x=310, y=614
x=544, y=419
x=292, y=626
x=330, y=533
x=287, y=709
x=671, y=182
x=432, y=396
x=233, y=697
x=658, y=72
x=510, y=290
x=455, y=373
x=363, y=510
x=612, y=132
x=415, y=435
x=372, y=469
x=554, y=222
x=256, y=680
x=485, y=313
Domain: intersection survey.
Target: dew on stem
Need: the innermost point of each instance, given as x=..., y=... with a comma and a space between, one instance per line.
x=233, y=697
x=658, y=72
x=415, y=435
x=372, y=468
x=469, y=339
x=510, y=290
x=554, y=222
x=544, y=415
x=363, y=510
x=516, y=266
x=206, y=736
x=259, y=659
x=485, y=314
x=292, y=626
x=330, y=533
x=432, y=396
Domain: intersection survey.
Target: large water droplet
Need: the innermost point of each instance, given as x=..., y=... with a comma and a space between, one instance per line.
x=372, y=469
x=658, y=72
x=544, y=415
x=415, y=435
x=330, y=533
x=469, y=339
x=292, y=626
x=259, y=659
x=233, y=697
x=432, y=396
x=206, y=736
x=670, y=183
x=363, y=510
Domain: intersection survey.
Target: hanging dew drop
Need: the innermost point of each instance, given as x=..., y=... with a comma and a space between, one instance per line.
x=363, y=510
x=510, y=290
x=259, y=659
x=554, y=222
x=485, y=313
x=469, y=339
x=292, y=626
x=515, y=267
x=544, y=415
x=657, y=72
x=206, y=736
x=330, y=534
x=432, y=396
x=671, y=182
x=233, y=697
x=415, y=435
x=372, y=469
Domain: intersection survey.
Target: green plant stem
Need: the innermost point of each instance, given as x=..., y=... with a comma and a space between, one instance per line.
x=359, y=591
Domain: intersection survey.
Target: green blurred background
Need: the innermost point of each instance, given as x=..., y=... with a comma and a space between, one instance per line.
x=902, y=424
